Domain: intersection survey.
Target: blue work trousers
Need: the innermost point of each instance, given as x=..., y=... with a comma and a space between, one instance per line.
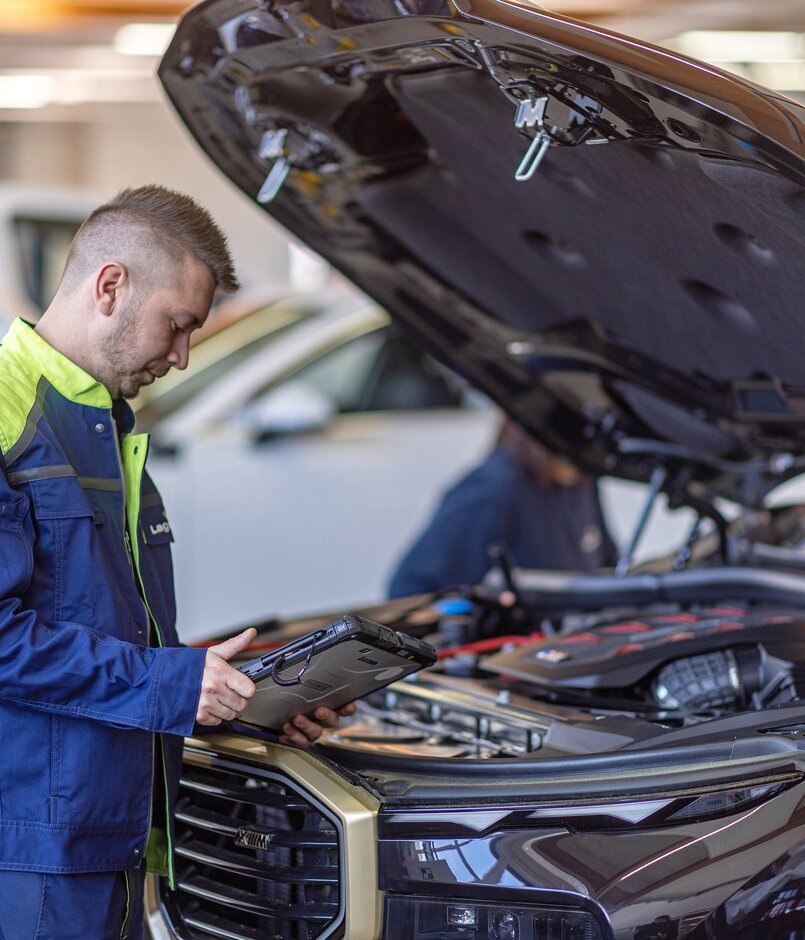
x=98, y=906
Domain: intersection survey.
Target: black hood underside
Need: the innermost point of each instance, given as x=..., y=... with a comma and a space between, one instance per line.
x=637, y=302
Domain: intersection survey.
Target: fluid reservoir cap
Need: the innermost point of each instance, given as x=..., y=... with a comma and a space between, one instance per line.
x=453, y=607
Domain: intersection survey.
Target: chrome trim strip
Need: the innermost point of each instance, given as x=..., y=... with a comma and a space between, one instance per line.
x=156, y=927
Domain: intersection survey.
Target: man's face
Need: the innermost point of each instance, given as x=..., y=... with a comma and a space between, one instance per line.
x=151, y=336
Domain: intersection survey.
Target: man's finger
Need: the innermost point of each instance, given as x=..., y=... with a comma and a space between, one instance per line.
x=235, y=644
x=225, y=712
x=218, y=709
x=241, y=685
x=231, y=700
x=205, y=718
x=292, y=735
x=311, y=729
x=219, y=675
x=326, y=717
x=223, y=687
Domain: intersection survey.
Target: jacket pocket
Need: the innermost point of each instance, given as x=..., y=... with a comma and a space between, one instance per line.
x=156, y=564
x=64, y=520
x=16, y=567
x=104, y=775
x=26, y=741
x=154, y=523
x=60, y=498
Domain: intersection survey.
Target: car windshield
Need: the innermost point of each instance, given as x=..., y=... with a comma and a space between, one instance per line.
x=215, y=357
x=341, y=374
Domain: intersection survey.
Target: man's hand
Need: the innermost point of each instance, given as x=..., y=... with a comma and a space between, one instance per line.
x=305, y=731
x=225, y=692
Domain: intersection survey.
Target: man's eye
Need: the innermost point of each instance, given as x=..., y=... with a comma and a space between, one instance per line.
x=175, y=328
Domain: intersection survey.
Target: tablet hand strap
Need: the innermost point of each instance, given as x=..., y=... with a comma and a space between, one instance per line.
x=277, y=665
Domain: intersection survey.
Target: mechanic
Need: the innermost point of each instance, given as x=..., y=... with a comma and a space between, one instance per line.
x=95, y=691
x=545, y=512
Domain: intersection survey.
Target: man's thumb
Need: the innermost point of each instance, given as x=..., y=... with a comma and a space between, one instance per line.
x=235, y=644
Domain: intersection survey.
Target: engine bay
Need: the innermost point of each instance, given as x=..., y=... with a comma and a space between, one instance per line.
x=528, y=673
x=537, y=665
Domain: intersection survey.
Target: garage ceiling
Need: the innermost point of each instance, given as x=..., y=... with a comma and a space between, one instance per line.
x=59, y=58
x=656, y=16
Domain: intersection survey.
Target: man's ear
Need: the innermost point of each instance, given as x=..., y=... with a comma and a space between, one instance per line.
x=111, y=281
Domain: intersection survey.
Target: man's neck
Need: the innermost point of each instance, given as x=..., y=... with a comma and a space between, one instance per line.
x=59, y=329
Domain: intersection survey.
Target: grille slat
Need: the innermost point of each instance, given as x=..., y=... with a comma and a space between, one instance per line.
x=205, y=819
x=242, y=794
x=253, y=903
x=219, y=927
x=217, y=857
x=220, y=823
x=256, y=857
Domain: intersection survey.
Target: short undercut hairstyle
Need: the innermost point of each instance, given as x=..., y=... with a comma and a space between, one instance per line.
x=144, y=226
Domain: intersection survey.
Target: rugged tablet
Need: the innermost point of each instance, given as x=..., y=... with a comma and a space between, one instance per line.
x=344, y=660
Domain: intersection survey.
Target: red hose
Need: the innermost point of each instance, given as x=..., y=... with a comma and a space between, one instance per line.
x=491, y=644
x=479, y=646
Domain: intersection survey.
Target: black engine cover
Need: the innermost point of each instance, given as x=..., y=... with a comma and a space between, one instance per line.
x=622, y=654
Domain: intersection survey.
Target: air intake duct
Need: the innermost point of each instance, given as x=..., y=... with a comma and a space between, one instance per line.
x=718, y=681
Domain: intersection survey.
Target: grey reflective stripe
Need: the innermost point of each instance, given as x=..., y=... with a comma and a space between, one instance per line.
x=55, y=471
x=31, y=422
x=152, y=499
x=41, y=473
x=110, y=484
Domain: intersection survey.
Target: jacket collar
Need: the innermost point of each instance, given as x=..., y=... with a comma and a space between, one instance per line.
x=37, y=357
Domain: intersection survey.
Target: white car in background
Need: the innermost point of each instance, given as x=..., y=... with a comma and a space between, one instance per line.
x=37, y=225
x=300, y=454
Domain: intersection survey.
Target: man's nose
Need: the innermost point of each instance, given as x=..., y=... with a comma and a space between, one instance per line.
x=180, y=351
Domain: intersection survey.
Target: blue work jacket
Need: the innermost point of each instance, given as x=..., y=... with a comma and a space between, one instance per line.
x=558, y=528
x=94, y=692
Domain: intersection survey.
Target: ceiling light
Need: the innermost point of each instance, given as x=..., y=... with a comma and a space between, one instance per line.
x=26, y=91
x=143, y=38
x=784, y=76
x=741, y=45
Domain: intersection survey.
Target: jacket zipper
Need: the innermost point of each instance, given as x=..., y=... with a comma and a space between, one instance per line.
x=134, y=575
x=127, y=543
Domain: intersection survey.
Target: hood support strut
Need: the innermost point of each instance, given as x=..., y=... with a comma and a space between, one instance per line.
x=624, y=562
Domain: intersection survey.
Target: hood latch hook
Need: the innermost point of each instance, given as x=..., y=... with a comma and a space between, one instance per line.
x=529, y=118
x=272, y=147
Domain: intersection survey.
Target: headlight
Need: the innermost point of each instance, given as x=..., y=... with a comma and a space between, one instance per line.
x=419, y=918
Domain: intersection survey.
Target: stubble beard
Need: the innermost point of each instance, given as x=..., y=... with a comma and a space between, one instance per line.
x=120, y=375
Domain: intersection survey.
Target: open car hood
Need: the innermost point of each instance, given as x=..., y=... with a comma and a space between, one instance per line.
x=604, y=237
